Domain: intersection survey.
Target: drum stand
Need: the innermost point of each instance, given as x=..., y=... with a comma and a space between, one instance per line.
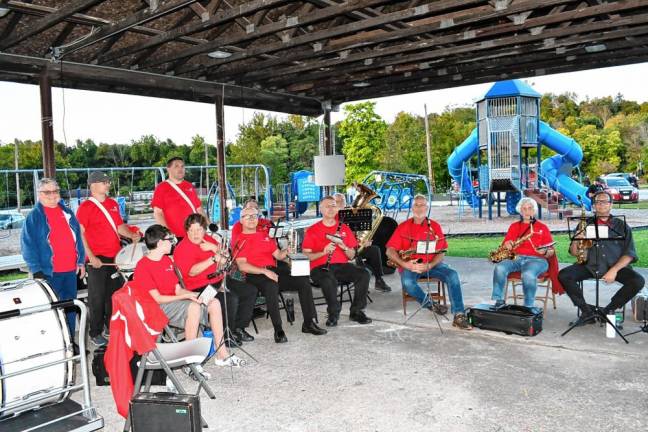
x=428, y=301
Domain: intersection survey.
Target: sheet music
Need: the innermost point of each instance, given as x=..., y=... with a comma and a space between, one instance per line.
x=425, y=247
x=603, y=232
x=207, y=295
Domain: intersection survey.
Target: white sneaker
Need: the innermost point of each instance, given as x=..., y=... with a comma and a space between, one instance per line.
x=170, y=387
x=199, y=369
x=231, y=361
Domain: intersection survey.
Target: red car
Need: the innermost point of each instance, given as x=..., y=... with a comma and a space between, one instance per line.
x=620, y=189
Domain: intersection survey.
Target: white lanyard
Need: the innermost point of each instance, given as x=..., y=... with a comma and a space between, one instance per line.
x=105, y=212
x=182, y=194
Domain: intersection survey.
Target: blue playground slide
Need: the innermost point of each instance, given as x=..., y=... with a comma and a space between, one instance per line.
x=556, y=170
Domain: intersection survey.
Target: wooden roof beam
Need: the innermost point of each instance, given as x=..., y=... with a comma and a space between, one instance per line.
x=50, y=20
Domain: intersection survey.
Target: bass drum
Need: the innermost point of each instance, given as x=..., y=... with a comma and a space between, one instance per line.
x=30, y=341
x=128, y=257
x=382, y=235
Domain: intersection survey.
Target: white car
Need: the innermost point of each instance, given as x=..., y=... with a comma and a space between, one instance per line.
x=10, y=219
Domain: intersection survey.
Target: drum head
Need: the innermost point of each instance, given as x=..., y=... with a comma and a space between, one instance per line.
x=129, y=255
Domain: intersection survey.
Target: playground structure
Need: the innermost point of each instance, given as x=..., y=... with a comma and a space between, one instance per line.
x=508, y=128
x=396, y=190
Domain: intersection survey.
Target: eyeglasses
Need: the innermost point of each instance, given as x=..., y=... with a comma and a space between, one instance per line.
x=50, y=192
x=170, y=238
x=602, y=201
x=250, y=217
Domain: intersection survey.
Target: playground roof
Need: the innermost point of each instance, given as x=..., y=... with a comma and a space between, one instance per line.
x=511, y=88
x=295, y=56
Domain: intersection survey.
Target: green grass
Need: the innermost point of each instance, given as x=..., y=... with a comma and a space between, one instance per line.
x=640, y=205
x=479, y=247
x=6, y=277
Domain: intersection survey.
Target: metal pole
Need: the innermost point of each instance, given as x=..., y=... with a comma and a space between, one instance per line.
x=220, y=161
x=49, y=164
x=328, y=147
x=428, y=150
x=17, y=176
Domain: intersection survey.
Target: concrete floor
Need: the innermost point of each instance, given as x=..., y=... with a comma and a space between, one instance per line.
x=388, y=376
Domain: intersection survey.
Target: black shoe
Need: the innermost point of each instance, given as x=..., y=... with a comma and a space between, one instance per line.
x=381, y=285
x=332, y=321
x=280, y=336
x=499, y=304
x=360, y=318
x=312, y=328
x=243, y=335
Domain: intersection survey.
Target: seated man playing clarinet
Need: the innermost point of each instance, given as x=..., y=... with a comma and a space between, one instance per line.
x=330, y=247
x=526, y=248
x=413, y=237
x=608, y=259
x=257, y=260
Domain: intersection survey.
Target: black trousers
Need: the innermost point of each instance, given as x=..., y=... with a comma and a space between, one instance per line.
x=301, y=284
x=241, y=297
x=270, y=290
x=571, y=276
x=372, y=256
x=328, y=282
x=102, y=283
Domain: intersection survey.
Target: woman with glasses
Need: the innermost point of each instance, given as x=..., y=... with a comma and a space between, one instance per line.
x=609, y=259
x=197, y=257
x=155, y=274
x=51, y=244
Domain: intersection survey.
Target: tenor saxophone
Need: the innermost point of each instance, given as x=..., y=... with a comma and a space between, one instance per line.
x=582, y=246
x=502, y=253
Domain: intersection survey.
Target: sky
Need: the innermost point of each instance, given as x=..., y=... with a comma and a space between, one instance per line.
x=115, y=118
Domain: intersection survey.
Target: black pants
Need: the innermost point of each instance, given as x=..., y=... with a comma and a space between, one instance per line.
x=371, y=254
x=240, y=303
x=328, y=282
x=102, y=283
x=571, y=276
x=301, y=284
x=270, y=290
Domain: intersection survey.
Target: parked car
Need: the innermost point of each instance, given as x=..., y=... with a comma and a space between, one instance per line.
x=632, y=179
x=10, y=219
x=620, y=189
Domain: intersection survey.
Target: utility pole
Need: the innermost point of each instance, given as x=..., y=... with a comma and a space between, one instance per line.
x=17, y=176
x=429, y=150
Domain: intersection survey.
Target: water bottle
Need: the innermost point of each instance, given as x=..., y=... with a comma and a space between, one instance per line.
x=209, y=334
x=609, y=329
x=290, y=310
x=618, y=319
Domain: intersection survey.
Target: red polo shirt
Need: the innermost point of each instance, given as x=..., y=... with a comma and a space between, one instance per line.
x=61, y=239
x=408, y=233
x=188, y=254
x=159, y=275
x=315, y=240
x=264, y=225
x=541, y=236
x=100, y=235
x=257, y=249
x=174, y=206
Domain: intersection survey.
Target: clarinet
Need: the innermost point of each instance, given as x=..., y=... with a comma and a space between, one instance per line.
x=337, y=232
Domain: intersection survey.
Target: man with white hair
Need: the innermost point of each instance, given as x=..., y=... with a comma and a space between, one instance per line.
x=531, y=244
x=415, y=233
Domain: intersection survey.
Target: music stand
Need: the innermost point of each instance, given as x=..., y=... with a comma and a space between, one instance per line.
x=596, y=233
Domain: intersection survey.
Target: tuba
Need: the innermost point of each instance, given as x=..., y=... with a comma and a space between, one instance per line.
x=362, y=200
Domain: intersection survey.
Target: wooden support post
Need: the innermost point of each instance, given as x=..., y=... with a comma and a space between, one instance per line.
x=220, y=162
x=328, y=142
x=49, y=164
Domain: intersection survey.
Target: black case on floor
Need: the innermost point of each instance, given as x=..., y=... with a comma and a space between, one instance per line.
x=515, y=319
x=165, y=412
x=98, y=367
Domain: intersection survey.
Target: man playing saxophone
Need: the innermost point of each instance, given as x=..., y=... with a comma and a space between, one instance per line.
x=407, y=237
x=526, y=248
x=608, y=259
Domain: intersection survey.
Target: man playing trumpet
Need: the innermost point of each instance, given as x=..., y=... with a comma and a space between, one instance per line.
x=526, y=248
x=408, y=235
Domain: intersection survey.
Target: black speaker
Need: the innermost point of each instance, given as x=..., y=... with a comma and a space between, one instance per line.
x=165, y=412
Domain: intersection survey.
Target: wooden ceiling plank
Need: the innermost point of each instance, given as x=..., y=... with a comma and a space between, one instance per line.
x=49, y=21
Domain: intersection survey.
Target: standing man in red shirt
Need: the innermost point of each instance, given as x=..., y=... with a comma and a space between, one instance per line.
x=331, y=261
x=50, y=243
x=407, y=236
x=175, y=199
x=101, y=230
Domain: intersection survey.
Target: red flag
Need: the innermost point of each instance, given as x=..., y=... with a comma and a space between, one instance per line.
x=136, y=322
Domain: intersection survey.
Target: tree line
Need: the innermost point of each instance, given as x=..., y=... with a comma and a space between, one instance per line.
x=612, y=131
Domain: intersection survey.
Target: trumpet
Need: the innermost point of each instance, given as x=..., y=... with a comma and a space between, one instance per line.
x=502, y=252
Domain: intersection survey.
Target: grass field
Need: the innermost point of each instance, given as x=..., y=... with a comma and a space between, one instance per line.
x=641, y=205
x=479, y=247
x=9, y=276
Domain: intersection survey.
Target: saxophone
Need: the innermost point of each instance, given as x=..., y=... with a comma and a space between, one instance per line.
x=406, y=255
x=582, y=246
x=502, y=253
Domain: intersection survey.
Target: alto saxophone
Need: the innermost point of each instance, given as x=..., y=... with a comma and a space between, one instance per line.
x=406, y=255
x=582, y=246
x=502, y=253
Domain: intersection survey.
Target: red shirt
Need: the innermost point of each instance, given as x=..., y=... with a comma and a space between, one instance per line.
x=264, y=225
x=315, y=240
x=100, y=235
x=258, y=249
x=174, y=206
x=188, y=254
x=159, y=275
x=408, y=233
x=61, y=238
x=541, y=236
